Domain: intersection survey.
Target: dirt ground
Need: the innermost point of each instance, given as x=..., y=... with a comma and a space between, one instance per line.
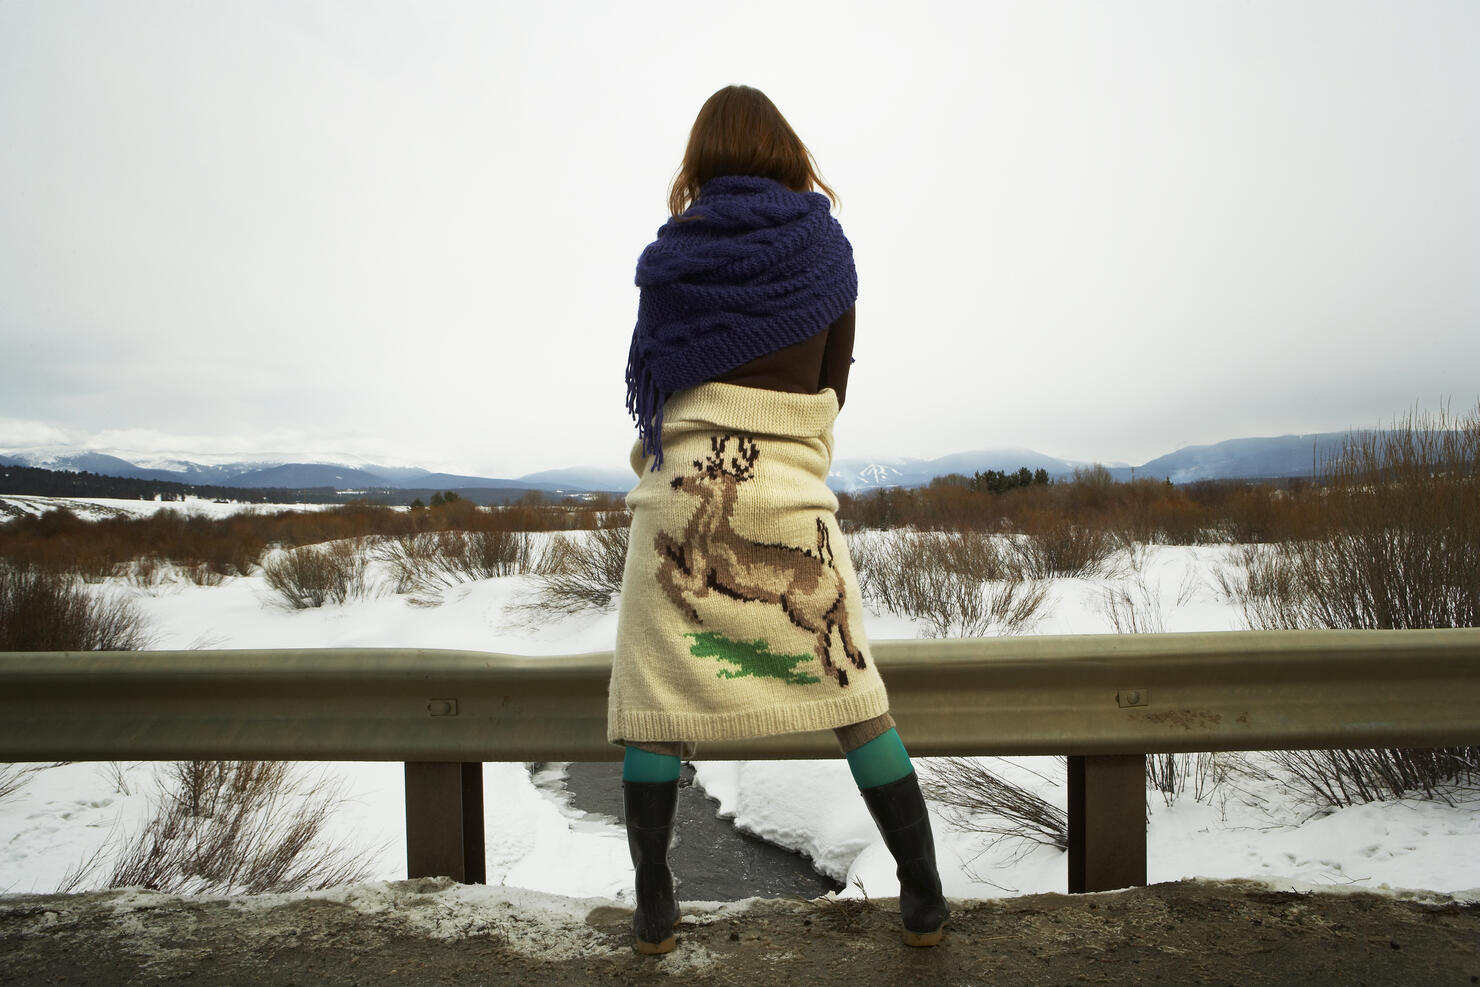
x=1188, y=932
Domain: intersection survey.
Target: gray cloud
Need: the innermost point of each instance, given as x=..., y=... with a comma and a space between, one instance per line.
x=1099, y=231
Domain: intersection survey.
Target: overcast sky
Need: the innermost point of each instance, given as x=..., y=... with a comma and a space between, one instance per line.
x=407, y=231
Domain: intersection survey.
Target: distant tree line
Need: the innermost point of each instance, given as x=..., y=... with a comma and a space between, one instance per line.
x=65, y=483
x=994, y=481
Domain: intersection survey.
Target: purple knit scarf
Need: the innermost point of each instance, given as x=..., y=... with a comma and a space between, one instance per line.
x=750, y=268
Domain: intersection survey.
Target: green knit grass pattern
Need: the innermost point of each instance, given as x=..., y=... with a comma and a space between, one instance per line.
x=753, y=658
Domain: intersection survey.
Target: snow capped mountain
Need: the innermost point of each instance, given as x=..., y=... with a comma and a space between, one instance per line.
x=55, y=459
x=878, y=474
x=847, y=475
x=295, y=472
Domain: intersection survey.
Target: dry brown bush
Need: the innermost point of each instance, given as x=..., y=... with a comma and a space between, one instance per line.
x=1143, y=511
x=1132, y=607
x=1178, y=520
x=429, y=562
x=1169, y=774
x=980, y=801
x=1261, y=584
x=413, y=560
x=1147, y=512
x=1398, y=516
x=1395, y=544
x=961, y=583
x=318, y=574
x=1056, y=545
x=231, y=827
x=146, y=573
x=580, y=572
x=203, y=574
x=14, y=777
x=1337, y=778
x=492, y=554
x=50, y=611
x=198, y=545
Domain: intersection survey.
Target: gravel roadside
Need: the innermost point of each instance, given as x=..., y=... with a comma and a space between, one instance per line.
x=436, y=932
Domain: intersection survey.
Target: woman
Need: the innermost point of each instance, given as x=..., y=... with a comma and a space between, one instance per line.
x=740, y=613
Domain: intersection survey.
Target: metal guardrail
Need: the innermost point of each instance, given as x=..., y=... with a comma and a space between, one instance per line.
x=1105, y=700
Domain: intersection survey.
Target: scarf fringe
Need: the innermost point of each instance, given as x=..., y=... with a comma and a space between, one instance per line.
x=645, y=402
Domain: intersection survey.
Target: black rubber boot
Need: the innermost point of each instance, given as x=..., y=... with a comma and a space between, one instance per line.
x=650, y=807
x=898, y=809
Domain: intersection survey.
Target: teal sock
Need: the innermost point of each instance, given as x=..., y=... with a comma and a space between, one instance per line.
x=879, y=761
x=641, y=765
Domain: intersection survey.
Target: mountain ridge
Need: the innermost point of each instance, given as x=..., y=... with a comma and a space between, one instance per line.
x=1284, y=456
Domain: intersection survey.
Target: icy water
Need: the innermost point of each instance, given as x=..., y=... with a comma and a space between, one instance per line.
x=711, y=860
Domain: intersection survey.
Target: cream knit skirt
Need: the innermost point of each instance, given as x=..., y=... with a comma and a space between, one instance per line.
x=740, y=614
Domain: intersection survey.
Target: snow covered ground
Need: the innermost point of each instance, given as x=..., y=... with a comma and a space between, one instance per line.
x=61, y=816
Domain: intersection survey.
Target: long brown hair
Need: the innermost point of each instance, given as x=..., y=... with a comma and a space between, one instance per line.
x=739, y=131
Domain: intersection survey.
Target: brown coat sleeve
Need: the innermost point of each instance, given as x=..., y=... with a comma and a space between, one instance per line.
x=838, y=356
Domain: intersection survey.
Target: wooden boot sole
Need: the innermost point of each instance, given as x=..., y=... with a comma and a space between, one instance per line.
x=922, y=939
x=657, y=948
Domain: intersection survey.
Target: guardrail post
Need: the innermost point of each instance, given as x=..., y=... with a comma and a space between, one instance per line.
x=1107, y=822
x=444, y=820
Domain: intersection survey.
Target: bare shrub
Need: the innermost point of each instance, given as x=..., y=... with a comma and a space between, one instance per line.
x=1132, y=607
x=1135, y=604
x=961, y=583
x=14, y=777
x=1395, y=544
x=1177, y=520
x=581, y=571
x=203, y=574
x=318, y=574
x=1056, y=545
x=413, y=561
x=1263, y=583
x=1150, y=512
x=1399, y=516
x=431, y=561
x=1337, y=778
x=60, y=541
x=1365, y=580
x=1169, y=774
x=974, y=554
x=863, y=553
x=1091, y=490
x=49, y=611
x=116, y=774
x=146, y=573
x=1134, y=520
x=232, y=827
x=491, y=554
x=980, y=801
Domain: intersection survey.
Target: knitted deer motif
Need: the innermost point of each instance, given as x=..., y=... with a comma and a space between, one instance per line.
x=712, y=557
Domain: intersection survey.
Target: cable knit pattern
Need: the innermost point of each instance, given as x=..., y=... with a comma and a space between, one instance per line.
x=740, y=612
x=750, y=268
